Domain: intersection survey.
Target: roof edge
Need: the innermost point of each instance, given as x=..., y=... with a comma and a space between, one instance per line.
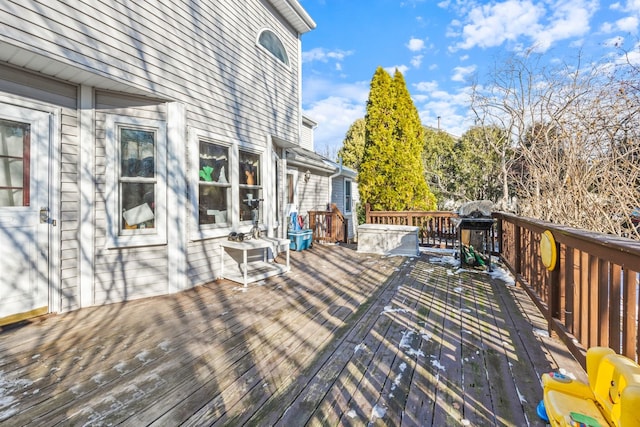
x=293, y=11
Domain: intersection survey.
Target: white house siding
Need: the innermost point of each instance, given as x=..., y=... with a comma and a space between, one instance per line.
x=204, y=54
x=312, y=195
x=307, y=133
x=337, y=197
x=306, y=138
x=132, y=272
x=34, y=91
x=136, y=58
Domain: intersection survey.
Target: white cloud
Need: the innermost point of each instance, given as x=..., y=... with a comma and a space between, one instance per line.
x=615, y=6
x=632, y=6
x=317, y=88
x=494, y=24
x=323, y=55
x=491, y=25
x=460, y=74
x=606, y=27
x=634, y=58
x=335, y=106
x=416, y=61
x=334, y=115
x=452, y=108
x=628, y=24
x=392, y=70
x=569, y=19
x=614, y=42
x=426, y=86
x=415, y=45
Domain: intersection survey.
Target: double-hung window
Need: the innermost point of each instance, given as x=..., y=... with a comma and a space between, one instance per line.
x=213, y=185
x=136, y=181
x=347, y=195
x=250, y=186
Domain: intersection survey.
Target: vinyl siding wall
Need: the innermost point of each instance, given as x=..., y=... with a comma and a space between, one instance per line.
x=33, y=91
x=312, y=195
x=202, y=55
x=306, y=138
x=123, y=273
x=337, y=197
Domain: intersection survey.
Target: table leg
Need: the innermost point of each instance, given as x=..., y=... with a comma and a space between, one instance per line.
x=244, y=260
x=221, y=262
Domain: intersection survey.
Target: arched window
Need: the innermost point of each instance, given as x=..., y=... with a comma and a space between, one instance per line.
x=270, y=41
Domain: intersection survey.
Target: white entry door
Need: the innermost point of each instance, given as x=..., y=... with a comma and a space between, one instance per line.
x=24, y=221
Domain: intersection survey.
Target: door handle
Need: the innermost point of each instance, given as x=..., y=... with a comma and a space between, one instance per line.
x=44, y=217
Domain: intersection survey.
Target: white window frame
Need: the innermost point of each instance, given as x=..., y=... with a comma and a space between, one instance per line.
x=291, y=207
x=247, y=224
x=207, y=231
x=344, y=190
x=116, y=237
x=282, y=63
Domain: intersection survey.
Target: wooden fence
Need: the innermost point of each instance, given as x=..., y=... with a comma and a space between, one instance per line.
x=436, y=227
x=328, y=226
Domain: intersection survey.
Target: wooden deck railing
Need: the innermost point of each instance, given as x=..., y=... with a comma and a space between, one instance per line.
x=592, y=296
x=436, y=227
x=328, y=226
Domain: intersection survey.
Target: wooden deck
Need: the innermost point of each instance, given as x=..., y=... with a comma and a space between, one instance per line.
x=342, y=339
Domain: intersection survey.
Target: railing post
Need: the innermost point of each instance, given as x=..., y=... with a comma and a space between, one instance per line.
x=518, y=248
x=553, y=306
x=312, y=222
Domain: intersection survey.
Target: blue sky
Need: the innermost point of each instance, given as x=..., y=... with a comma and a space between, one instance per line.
x=441, y=47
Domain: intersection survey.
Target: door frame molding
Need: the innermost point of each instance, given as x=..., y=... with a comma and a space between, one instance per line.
x=53, y=191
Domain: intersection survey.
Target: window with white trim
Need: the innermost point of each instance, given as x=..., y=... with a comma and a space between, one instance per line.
x=347, y=195
x=15, y=163
x=272, y=43
x=136, y=187
x=214, y=186
x=250, y=186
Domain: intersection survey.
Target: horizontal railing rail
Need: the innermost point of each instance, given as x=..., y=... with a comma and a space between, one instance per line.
x=436, y=228
x=590, y=298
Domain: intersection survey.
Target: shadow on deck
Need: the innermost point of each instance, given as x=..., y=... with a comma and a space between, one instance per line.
x=342, y=339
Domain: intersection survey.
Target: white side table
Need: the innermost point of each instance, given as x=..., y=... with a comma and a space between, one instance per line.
x=253, y=271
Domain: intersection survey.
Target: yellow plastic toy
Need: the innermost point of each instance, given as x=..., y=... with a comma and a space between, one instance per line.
x=611, y=398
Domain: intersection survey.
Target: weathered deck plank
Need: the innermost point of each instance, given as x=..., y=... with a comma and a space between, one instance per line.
x=343, y=339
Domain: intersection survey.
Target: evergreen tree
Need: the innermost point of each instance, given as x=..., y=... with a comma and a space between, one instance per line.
x=466, y=168
x=478, y=165
x=391, y=174
x=438, y=157
x=353, y=145
x=412, y=191
x=376, y=167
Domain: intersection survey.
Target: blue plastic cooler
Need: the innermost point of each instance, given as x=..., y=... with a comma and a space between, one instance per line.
x=301, y=239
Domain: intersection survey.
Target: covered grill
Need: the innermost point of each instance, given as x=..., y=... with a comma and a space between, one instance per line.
x=474, y=226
